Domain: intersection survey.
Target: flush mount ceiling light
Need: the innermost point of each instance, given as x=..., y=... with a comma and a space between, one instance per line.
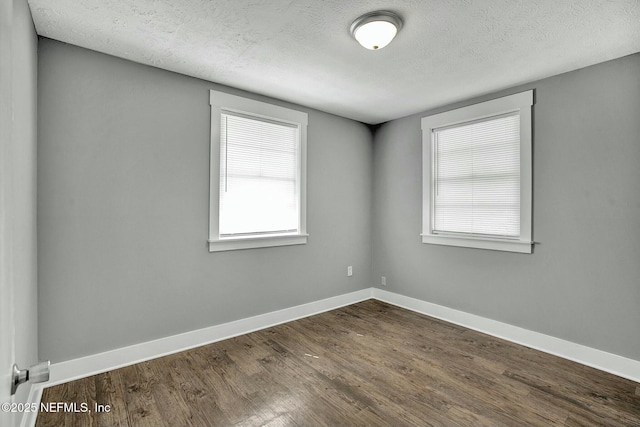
x=375, y=30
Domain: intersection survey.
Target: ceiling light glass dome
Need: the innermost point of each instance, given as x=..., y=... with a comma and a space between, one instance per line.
x=375, y=30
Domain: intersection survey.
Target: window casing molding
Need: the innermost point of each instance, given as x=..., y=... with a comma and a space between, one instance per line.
x=223, y=102
x=522, y=104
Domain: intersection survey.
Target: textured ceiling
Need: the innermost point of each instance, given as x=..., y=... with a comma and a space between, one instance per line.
x=301, y=50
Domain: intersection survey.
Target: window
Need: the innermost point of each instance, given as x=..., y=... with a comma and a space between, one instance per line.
x=477, y=175
x=258, y=174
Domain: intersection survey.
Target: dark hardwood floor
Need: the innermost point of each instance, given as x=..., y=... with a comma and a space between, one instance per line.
x=368, y=364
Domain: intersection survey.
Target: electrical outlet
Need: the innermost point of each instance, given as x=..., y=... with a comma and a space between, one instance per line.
x=350, y=271
x=383, y=281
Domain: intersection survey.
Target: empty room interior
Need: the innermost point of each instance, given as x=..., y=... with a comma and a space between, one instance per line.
x=300, y=213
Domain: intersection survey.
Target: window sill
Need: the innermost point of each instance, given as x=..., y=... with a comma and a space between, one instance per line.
x=478, y=243
x=256, y=242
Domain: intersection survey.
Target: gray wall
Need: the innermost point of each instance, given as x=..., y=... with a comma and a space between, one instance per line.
x=582, y=283
x=123, y=210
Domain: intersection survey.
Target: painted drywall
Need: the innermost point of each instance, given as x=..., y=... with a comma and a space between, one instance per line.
x=123, y=196
x=18, y=193
x=582, y=283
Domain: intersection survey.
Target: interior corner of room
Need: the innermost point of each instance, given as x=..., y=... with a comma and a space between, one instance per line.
x=105, y=213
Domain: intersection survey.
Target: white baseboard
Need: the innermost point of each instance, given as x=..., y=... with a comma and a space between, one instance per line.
x=608, y=362
x=82, y=367
x=97, y=363
x=35, y=393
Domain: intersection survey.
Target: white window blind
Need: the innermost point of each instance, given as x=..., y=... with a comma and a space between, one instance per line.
x=259, y=176
x=476, y=177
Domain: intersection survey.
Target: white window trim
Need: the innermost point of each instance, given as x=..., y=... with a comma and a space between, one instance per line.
x=223, y=101
x=520, y=102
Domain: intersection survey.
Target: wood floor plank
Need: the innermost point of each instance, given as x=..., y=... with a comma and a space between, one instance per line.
x=51, y=396
x=108, y=392
x=411, y=383
x=401, y=361
x=172, y=398
x=81, y=397
x=368, y=364
x=141, y=408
